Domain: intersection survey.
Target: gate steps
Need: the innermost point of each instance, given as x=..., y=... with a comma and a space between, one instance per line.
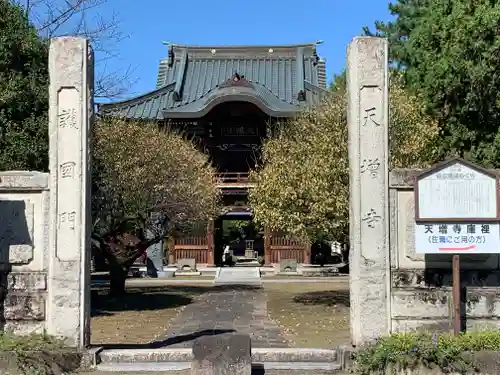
x=238, y=276
x=289, y=361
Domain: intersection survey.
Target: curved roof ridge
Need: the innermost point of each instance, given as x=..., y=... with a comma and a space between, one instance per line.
x=217, y=86
x=269, y=90
x=249, y=46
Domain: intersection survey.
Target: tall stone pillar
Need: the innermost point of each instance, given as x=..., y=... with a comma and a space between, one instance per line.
x=368, y=121
x=70, y=121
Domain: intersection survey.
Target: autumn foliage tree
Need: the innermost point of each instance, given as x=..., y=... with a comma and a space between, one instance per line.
x=303, y=185
x=147, y=183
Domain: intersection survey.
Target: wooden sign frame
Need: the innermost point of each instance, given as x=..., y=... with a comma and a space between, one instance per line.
x=439, y=167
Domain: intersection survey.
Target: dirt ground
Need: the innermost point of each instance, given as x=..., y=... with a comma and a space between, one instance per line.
x=139, y=317
x=312, y=315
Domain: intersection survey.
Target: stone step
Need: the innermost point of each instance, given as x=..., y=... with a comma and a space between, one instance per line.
x=257, y=370
x=185, y=355
x=238, y=276
x=297, y=368
x=287, y=361
x=247, y=264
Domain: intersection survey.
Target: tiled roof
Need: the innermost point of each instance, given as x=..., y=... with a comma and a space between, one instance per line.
x=191, y=74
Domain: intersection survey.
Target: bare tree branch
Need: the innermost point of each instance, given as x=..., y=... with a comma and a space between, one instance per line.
x=83, y=18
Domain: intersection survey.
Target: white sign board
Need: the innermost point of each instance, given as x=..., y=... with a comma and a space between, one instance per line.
x=463, y=238
x=457, y=192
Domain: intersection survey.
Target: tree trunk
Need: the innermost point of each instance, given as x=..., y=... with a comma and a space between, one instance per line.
x=117, y=277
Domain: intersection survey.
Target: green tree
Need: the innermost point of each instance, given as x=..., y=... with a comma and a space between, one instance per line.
x=303, y=186
x=148, y=183
x=450, y=52
x=23, y=92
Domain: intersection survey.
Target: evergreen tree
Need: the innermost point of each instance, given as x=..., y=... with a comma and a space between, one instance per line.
x=23, y=92
x=450, y=52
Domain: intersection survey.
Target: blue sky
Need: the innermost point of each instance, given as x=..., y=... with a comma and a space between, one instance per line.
x=147, y=23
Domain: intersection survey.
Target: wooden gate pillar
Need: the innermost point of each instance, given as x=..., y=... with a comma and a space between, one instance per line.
x=307, y=253
x=171, y=251
x=210, y=241
x=267, y=246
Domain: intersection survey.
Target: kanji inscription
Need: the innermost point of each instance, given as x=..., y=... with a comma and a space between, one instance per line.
x=371, y=166
x=371, y=218
x=67, y=219
x=460, y=238
x=457, y=191
x=68, y=169
x=371, y=116
x=67, y=118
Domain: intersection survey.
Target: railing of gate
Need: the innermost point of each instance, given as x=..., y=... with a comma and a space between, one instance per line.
x=288, y=248
x=233, y=177
x=191, y=247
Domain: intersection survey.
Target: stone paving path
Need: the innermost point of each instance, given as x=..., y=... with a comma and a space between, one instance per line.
x=226, y=309
x=238, y=275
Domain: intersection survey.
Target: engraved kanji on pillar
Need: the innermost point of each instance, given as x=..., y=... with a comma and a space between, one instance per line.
x=70, y=123
x=368, y=189
x=371, y=160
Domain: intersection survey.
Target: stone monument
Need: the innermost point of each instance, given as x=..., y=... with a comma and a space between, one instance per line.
x=225, y=354
x=368, y=120
x=70, y=123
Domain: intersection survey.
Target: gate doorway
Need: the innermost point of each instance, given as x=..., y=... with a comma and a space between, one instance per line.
x=244, y=240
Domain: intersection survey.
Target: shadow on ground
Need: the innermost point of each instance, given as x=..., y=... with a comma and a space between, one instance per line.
x=170, y=341
x=326, y=298
x=155, y=298
x=102, y=304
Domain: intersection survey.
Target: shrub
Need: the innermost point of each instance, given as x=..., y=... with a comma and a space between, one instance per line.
x=37, y=354
x=410, y=350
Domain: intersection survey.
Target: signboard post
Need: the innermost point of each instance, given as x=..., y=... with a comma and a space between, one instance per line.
x=457, y=320
x=457, y=212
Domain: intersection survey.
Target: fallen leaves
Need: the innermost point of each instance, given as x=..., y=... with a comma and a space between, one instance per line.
x=323, y=324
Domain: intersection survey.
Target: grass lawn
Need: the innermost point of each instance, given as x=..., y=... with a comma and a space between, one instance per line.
x=312, y=315
x=139, y=317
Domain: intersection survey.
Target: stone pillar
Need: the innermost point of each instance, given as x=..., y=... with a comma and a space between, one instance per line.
x=368, y=111
x=155, y=252
x=70, y=122
x=156, y=255
x=223, y=354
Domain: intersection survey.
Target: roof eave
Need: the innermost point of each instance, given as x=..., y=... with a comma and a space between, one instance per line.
x=175, y=113
x=109, y=107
